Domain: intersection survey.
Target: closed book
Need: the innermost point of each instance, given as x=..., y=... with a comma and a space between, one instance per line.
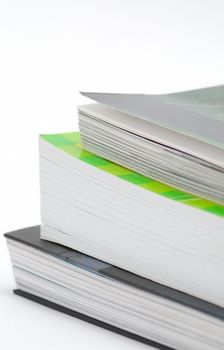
x=129, y=220
x=95, y=291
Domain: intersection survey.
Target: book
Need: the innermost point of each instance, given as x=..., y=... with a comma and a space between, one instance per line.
x=174, y=138
x=130, y=221
x=95, y=291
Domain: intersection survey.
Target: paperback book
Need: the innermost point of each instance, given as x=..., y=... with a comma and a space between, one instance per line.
x=95, y=291
x=177, y=138
x=131, y=221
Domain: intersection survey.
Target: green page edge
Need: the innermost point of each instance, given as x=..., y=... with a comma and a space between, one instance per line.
x=70, y=143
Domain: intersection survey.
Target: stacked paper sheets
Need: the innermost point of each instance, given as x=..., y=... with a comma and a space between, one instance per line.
x=136, y=223
x=132, y=231
x=177, y=138
x=102, y=294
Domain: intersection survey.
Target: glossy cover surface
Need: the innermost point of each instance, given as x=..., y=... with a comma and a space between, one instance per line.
x=197, y=113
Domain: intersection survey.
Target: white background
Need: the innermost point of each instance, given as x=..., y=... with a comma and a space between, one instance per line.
x=49, y=50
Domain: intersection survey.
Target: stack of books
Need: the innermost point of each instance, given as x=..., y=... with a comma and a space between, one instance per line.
x=132, y=234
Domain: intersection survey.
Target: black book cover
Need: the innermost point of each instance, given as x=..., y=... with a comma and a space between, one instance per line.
x=90, y=320
x=31, y=236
